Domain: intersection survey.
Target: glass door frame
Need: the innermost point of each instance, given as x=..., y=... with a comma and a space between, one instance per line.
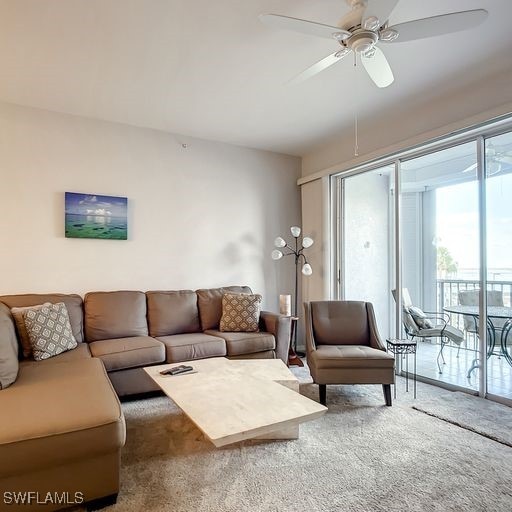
x=477, y=134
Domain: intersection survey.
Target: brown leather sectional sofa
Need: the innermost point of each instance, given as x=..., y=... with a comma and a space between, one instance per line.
x=63, y=427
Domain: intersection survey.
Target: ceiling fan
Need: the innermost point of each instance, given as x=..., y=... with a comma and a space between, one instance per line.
x=495, y=159
x=365, y=26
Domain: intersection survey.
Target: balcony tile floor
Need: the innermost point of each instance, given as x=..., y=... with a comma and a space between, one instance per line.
x=499, y=372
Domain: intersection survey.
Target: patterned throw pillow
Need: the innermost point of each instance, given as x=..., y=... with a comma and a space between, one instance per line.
x=420, y=318
x=49, y=330
x=240, y=312
x=17, y=314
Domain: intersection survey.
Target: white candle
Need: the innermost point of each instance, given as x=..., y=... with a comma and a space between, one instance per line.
x=285, y=305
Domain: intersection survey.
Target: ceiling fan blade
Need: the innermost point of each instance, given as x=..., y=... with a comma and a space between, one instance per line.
x=381, y=9
x=472, y=167
x=303, y=26
x=352, y=18
x=378, y=68
x=316, y=68
x=439, y=25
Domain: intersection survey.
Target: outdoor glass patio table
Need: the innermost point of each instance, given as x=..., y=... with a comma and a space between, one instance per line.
x=493, y=312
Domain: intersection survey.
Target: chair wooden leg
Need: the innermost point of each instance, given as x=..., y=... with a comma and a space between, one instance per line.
x=322, y=388
x=387, y=393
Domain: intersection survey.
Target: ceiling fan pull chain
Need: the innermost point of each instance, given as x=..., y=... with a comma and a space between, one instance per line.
x=356, y=144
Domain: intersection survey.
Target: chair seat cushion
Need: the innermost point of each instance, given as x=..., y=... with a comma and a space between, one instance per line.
x=452, y=333
x=350, y=356
x=240, y=343
x=123, y=353
x=186, y=347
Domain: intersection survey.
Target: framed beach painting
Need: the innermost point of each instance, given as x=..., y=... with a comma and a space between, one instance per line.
x=95, y=216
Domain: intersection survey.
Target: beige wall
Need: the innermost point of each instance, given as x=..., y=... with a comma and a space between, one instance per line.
x=198, y=217
x=316, y=223
x=414, y=122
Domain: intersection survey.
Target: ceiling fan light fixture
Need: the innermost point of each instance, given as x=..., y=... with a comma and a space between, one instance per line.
x=370, y=53
x=342, y=52
x=339, y=36
x=388, y=34
x=371, y=23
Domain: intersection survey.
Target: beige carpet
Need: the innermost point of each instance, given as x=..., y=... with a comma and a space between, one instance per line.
x=482, y=416
x=360, y=457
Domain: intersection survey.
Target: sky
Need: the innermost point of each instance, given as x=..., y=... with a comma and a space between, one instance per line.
x=457, y=223
x=88, y=204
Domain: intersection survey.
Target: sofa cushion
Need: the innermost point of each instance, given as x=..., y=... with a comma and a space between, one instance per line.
x=240, y=312
x=239, y=343
x=58, y=413
x=111, y=315
x=122, y=353
x=186, y=347
x=351, y=356
x=172, y=312
x=80, y=352
x=268, y=354
x=209, y=302
x=49, y=330
x=8, y=348
x=73, y=304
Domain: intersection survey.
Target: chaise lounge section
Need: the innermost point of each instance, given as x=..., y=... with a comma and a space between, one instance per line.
x=66, y=427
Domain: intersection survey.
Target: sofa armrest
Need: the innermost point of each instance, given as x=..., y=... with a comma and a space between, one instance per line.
x=375, y=339
x=308, y=322
x=280, y=327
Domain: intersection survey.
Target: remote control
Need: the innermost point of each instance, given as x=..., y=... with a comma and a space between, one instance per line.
x=176, y=370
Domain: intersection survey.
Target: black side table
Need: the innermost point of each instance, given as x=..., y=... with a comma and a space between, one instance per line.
x=404, y=347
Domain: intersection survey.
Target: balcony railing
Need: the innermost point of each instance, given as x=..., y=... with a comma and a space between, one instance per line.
x=448, y=294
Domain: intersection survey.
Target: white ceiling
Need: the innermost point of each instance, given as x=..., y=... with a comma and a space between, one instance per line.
x=210, y=69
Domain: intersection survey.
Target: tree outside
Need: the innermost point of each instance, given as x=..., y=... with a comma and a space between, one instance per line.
x=446, y=265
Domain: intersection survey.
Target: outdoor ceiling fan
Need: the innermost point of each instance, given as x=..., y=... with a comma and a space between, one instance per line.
x=495, y=159
x=366, y=26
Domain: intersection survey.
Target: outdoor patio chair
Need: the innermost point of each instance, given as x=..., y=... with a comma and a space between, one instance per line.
x=427, y=324
x=496, y=327
x=472, y=298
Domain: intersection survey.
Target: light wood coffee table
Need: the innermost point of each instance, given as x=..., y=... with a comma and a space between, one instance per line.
x=235, y=400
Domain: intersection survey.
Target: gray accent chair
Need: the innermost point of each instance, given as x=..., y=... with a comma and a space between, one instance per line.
x=343, y=346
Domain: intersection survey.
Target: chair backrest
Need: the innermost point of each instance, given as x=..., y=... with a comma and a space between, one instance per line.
x=472, y=298
x=340, y=322
x=406, y=298
x=410, y=325
x=469, y=298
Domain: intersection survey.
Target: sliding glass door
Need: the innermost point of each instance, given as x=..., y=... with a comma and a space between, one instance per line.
x=368, y=254
x=441, y=261
x=446, y=211
x=498, y=168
